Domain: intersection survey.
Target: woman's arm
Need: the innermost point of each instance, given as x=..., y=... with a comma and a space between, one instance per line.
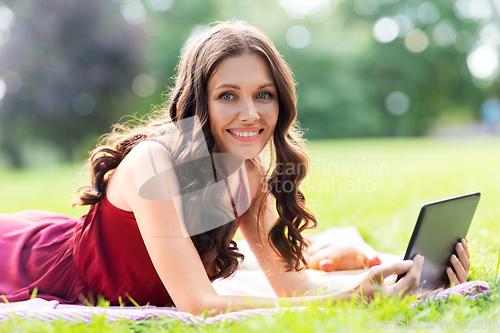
x=174, y=256
x=297, y=283
x=177, y=262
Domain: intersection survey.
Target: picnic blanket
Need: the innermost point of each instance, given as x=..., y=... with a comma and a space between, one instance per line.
x=249, y=280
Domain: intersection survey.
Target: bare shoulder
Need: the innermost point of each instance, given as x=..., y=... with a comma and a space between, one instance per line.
x=160, y=223
x=122, y=182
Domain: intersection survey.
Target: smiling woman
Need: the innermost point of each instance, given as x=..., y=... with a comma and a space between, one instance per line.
x=129, y=245
x=242, y=105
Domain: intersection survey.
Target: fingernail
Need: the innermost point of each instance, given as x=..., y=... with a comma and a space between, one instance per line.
x=407, y=263
x=454, y=258
x=460, y=246
x=463, y=242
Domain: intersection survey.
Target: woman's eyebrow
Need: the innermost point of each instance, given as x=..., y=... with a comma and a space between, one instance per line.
x=227, y=85
x=266, y=85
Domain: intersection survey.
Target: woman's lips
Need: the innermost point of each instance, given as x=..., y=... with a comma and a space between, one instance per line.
x=249, y=132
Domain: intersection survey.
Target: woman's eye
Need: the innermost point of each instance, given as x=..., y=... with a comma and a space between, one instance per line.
x=264, y=95
x=226, y=96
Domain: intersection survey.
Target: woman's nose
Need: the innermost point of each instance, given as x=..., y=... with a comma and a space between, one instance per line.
x=249, y=112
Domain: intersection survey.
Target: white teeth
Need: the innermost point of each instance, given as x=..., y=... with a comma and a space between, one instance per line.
x=244, y=134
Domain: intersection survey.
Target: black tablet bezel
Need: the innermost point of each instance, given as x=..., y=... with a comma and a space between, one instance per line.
x=420, y=221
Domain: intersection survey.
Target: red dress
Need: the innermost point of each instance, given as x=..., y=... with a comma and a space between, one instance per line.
x=73, y=259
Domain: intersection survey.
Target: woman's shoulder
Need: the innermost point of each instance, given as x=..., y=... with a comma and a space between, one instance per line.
x=154, y=148
x=146, y=159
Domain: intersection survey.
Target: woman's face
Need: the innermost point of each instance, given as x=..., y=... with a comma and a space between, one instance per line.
x=242, y=105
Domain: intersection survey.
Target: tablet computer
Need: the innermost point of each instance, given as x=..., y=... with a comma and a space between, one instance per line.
x=440, y=225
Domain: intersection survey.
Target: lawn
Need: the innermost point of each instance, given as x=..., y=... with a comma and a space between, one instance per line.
x=377, y=185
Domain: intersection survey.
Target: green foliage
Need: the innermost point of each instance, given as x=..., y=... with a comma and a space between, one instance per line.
x=344, y=75
x=75, y=63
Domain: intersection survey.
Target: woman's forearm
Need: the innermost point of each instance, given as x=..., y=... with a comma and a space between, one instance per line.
x=217, y=304
x=329, y=283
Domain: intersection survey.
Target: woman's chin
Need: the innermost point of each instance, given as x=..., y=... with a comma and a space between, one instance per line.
x=246, y=154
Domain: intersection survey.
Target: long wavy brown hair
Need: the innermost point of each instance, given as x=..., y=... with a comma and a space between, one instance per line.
x=188, y=98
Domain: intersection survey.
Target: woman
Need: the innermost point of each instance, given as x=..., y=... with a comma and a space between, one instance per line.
x=132, y=245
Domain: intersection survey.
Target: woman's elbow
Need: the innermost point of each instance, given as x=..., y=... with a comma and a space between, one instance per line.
x=199, y=305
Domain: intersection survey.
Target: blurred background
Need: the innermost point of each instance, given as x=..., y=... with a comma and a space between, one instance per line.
x=365, y=68
x=399, y=99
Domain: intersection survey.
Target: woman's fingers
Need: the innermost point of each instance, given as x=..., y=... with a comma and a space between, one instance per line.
x=379, y=272
x=452, y=276
x=460, y=263
x=375, y=280
x=463, y=256
x=466, y=247
x=461, y=273
x=411, y=281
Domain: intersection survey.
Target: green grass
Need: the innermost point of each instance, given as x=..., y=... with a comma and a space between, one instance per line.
x=401, y=175
x=51, y=187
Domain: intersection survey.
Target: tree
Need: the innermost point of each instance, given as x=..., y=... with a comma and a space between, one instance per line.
x=76, y=62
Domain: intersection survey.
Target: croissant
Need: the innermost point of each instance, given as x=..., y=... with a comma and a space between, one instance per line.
x=340, y=258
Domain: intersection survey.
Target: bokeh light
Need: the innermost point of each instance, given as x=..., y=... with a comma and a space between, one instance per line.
x=297, y=9
x=428, y=13
x=366, y=7
x=397, y=103
x=143, y=85
x=473, y=9
x=3, y=88
x=7, y=18
x=385, y=30
x=160, y=5
x=483, y=62
x=133, y=12
x=481, y=9
x=416, y=41
x=83, y=104
x=490, y=34
x=444, y=34
x=297, y=36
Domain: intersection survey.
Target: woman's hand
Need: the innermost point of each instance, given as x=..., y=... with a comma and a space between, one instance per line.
x=460, y=264
x=380, y=278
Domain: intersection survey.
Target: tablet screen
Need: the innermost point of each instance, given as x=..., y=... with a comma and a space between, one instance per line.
x=440, y=225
